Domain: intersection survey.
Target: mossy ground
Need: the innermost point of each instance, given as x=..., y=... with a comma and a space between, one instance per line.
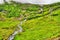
x=39, y=26
x=7, y=27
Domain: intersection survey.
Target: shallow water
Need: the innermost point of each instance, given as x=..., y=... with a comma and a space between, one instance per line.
x=17, y=31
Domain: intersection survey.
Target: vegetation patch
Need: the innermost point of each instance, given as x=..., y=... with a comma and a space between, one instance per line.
x=39, y=25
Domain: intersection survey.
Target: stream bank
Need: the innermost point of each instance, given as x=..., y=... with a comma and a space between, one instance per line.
x=19, y=29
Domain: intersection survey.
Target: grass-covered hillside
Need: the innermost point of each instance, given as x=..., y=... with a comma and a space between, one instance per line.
x=39, y=25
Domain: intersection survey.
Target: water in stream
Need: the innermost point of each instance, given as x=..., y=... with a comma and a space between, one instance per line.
x=17, y=31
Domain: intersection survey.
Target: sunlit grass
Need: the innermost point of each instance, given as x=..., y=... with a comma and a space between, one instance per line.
x=7, y=27
x=38, y=26
x=41, y=28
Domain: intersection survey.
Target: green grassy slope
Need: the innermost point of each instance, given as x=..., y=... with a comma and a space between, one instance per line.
x=43, y=27
x=7, y=27
x=39, y=26
x=40, y=29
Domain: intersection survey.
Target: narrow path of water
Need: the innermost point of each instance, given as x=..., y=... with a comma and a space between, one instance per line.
x=17, y=31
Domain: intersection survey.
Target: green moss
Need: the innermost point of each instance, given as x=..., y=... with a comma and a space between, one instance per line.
x=7, y=27
x=41, y=28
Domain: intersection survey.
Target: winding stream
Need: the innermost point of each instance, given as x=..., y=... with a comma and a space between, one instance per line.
x=11, y=37
x=17, y=31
